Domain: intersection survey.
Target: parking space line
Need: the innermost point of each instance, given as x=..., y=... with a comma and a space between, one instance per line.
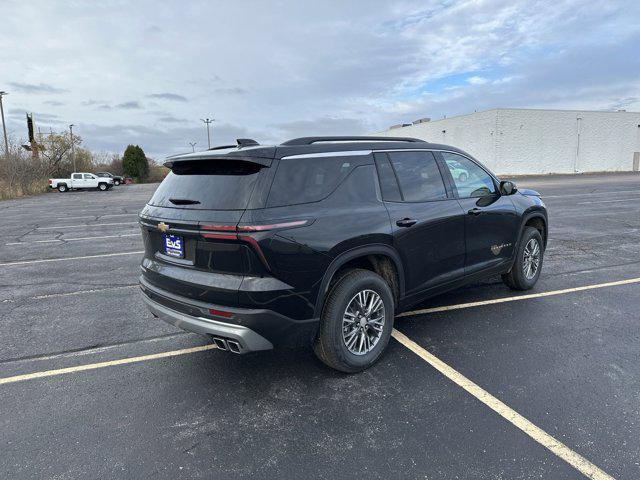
x=85, y=226
x=574, y=459
x=83, y=292
x=632, y=199
x=550, y=293
x=110, y=363
x=61, y=259
x=75, y=239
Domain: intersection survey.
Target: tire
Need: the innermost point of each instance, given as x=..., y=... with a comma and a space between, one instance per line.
x=62, y=188
x=463, y=177
x=520, y=277
x=330, y=345
x=103, y=187
x=116, y=182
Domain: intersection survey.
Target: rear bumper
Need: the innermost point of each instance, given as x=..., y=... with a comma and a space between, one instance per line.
x=252, y=329
x=247, y=339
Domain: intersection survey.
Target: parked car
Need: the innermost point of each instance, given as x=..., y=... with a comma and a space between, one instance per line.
x=117, y=179
x=457, y=170
x=80, y=181
x=323, y=240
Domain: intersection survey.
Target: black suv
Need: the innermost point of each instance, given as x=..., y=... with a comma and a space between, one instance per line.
x=322, y=240
x=117, y=179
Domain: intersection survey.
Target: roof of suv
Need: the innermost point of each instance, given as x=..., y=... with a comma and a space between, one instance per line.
x=264, y=154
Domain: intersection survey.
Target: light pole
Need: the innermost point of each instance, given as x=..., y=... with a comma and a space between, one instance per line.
x=73, y=150
x=4, y=125
x=208, y=121
x=193, y=146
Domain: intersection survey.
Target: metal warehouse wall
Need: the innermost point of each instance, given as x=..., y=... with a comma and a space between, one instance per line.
x=518, y=141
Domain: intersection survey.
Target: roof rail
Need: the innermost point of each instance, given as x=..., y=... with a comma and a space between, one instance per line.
x=312, y=140
x=246, y=142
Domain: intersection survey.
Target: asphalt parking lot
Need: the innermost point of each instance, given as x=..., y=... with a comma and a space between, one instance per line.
x=88, y=390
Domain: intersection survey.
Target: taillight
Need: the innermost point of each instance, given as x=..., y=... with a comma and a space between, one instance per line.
x=241, y=232
x=50, y=181
x=253, y=228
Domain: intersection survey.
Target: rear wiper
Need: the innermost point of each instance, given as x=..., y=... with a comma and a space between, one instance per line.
x=183, y=201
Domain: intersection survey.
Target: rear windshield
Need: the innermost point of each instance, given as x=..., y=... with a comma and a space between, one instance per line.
x=211, y=185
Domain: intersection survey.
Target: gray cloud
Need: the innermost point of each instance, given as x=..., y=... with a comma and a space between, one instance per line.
x=35, y=88
x=53, y=103
x=168, y=96
x=230, y=91
x=129, y=105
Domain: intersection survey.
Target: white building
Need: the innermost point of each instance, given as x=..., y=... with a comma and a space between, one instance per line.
x=525, y=141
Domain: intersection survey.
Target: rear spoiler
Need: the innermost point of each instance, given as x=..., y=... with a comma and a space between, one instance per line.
x=255, y=154
x=265, y=162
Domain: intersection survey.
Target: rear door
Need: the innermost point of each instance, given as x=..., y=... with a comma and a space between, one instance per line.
x=491, y=222
x=77, y=181
x=427, y=222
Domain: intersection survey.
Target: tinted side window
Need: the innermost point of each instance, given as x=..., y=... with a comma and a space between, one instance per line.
x=306, y=180
x=77, y=176
x=88, y=176
x=387, y=178
x=471, y=180
x=419, y=176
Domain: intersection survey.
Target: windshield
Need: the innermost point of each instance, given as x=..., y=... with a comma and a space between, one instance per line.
x=211, y=185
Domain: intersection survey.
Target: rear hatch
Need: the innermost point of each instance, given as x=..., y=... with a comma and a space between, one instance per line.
x=189, y=228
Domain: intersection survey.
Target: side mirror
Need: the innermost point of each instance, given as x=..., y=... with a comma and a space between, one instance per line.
x=508, y=188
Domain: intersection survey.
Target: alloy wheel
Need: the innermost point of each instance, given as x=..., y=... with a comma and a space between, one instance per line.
x=363, y=322
x=531, y=259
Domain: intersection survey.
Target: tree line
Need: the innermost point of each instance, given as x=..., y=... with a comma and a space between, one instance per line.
x=24, y=172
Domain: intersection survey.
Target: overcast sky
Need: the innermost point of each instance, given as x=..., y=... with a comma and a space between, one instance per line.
x=145, y=72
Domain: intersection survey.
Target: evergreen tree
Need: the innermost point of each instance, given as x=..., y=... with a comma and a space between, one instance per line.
x=135, y=163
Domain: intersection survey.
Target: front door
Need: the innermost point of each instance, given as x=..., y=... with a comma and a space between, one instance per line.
x=491, y=222
x=427, y=222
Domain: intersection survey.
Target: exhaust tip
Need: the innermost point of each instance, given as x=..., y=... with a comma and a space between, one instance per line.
x=221, y=344
x=233, y=346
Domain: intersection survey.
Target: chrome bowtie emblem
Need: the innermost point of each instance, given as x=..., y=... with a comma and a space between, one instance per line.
x=163, y=227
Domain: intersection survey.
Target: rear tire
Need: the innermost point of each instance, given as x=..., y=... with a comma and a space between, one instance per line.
x=367, y=333
x=62, y=188
x=528, y=263
x=102, y=187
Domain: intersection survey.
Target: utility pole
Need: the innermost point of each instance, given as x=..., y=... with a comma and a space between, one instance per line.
x=73, y=150
x=4, y=125
x=193, y=146
x=208, y=122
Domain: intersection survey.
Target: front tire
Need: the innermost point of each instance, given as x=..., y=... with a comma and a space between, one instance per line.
x=102, y=187
x=116, y=183
x=356, y=322
x=528, y=263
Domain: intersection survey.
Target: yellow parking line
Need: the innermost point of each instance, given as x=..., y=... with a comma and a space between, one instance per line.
x=574, y=459
x=110, y=363
x=518, y=297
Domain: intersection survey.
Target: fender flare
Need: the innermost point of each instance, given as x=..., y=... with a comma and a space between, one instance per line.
x=525, y=218
x=344, y=257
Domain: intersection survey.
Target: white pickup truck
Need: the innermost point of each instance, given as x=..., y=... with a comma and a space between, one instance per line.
x=79, y=181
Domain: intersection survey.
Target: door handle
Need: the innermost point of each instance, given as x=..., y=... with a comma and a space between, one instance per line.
x=475, y=211
x=406, y=222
